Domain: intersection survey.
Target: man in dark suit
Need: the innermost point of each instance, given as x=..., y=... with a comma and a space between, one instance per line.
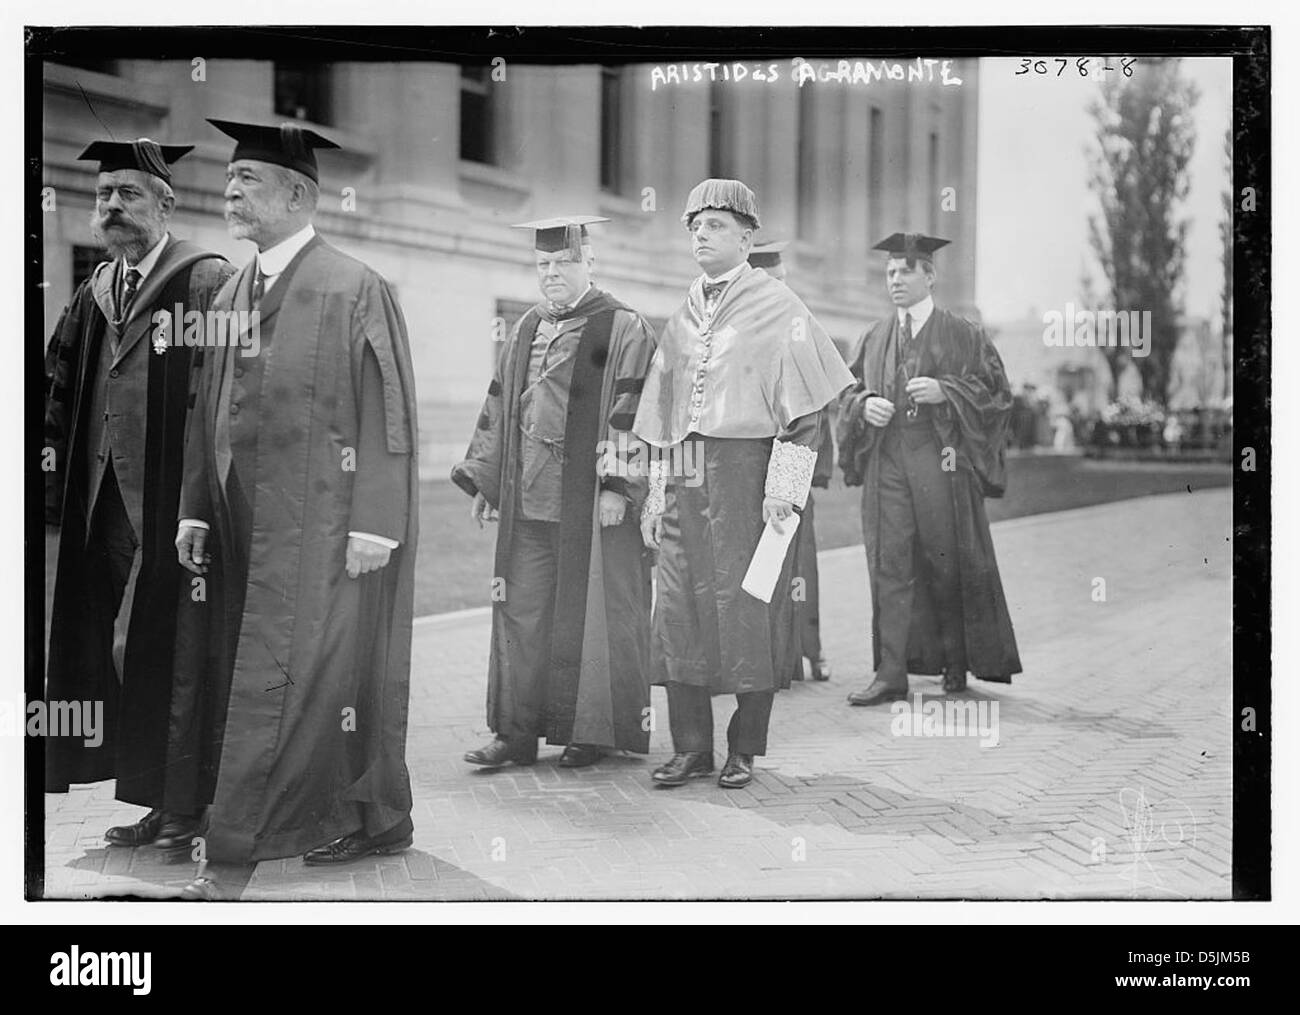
x=924, y=431
x=118, y=382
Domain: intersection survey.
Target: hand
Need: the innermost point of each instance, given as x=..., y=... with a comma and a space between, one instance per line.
x=652, y=530
x=878, y=411
x=611, y=508
x=926, y=391
x=365, y=555
x=481, y=511
x=776, y=511
x=190, y=540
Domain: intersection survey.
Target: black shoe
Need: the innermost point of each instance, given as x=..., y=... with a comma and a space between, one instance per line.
x=499, y=752
x=683, y=766
x=177, y=833
x=355, y=846
x=954, y=681
x=878, y=694
x=203, y=889
x=580, y=756
x=141, y=833
x=821, y=669
x=737, y=772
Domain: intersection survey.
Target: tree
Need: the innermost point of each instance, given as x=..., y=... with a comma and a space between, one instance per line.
x=1225, y=238
x=1138, y=172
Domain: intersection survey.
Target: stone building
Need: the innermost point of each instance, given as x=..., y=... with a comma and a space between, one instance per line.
x=438, y=159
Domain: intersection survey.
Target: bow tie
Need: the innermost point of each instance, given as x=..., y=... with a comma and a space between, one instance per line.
x=712, y=290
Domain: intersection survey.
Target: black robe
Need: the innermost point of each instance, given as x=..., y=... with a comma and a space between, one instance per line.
x=81, y=667
x=597, y=689
x=974, y=422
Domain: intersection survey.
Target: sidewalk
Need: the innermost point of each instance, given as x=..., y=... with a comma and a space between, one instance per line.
x=1111, y=778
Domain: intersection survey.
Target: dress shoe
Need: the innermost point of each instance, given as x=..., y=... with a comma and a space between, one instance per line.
x=737, y=772
x=580, y=756
x=355, y=846
x=177, y=832
x=821, y=669
x=683, y=766
x=954, y=680
x=499, y=752
x=141, y=833
x=878, y=694
x=203, y=889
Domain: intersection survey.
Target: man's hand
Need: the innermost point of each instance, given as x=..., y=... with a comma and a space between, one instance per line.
x=878, y=411
x=365, y=555
x=481, y=511
x=777, y=511
x=611, y=508
x=190, y=541
x=926, y=391
x=652, y=530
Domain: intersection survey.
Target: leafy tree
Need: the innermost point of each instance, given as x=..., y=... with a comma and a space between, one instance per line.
x=1138, y=172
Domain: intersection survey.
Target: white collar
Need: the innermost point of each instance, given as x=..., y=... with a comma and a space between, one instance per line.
x=726, y=276
x=919, y=312
x=272, y=261
x=147, y=262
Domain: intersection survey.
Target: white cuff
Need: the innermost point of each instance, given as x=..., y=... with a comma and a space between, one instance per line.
x=192, y=523
x=392, y=544
x=790, y=472
x=655, y=500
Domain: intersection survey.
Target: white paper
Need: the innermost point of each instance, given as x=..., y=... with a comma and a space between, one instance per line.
x=765, y=568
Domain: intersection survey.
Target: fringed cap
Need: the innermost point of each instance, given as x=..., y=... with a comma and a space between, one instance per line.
x=143, y=154
x=723, y=195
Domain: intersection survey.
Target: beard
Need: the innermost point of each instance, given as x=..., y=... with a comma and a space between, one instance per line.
x=123, y=236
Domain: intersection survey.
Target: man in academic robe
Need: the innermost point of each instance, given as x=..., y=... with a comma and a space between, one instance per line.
x=807, y=604
x=736, y=389
x=552, y=458
x=924, y=431
x=299, y=506
x=117, y=387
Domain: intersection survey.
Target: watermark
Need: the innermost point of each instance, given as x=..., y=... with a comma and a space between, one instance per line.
x=212, y=329
x=1098, y=329
x=1163, y=830
x=632, y=458
x=75, y=968
x=947, y=718
x=80, y=719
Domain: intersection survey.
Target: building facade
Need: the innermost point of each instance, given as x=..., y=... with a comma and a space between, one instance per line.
x=438, y=159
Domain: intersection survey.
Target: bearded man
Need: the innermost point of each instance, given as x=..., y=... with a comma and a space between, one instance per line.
x=117, y=388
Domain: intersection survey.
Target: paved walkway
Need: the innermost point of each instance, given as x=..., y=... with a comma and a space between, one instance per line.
x=1111, y=776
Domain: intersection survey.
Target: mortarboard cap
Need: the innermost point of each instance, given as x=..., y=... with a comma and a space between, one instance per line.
x=290, y=145
x=911, y=245
x=567, y=232
x=723, y=195
x=143, y=154
x=767, y=255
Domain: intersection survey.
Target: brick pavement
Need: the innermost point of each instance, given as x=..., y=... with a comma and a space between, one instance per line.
x=1111, y=778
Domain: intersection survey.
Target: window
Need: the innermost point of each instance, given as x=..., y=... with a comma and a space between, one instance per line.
x=876, y=227
x=932, y=199
x=805, y=169
x=611, y=129
x=477, y=115
x=303, y=92
x=84, y=260
x=718, y=168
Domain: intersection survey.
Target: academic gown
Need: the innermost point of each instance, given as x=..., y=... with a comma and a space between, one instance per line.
x=597, y=646
x=150, y=393
x=974, y=422
x=291, y=710
x=759, y=369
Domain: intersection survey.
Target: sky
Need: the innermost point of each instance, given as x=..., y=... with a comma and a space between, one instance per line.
x=1033, y=198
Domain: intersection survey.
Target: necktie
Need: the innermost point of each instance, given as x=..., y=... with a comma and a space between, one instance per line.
x=259, y=288
x=905, y=360
x=129, y=287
